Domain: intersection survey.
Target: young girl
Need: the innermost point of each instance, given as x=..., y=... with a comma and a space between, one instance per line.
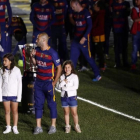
x=10, y=90
x=69, y=84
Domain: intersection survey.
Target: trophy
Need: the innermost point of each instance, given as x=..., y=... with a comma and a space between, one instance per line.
x=25, y=53
x=28, y=79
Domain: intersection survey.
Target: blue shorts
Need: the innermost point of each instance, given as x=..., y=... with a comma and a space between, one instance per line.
x=9, y=98
x=69, y=101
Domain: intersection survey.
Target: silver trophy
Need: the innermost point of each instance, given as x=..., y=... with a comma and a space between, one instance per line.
x=25, y=53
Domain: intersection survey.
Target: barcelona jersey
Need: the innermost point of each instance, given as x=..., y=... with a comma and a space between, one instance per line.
x=46, y=61
x=60, y=11
x=42, y=17
x=83, y=23
x=120, y=16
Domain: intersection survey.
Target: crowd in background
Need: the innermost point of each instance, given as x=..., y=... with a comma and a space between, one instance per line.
x=58, y=19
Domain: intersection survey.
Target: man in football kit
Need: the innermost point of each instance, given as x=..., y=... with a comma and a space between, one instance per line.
x=3, y=25
x=46, y=59
x=81, y=40
x=42, y=17
x=58, y=29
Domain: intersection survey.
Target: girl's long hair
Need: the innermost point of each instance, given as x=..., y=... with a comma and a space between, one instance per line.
x=10, y=57
x=66, y=63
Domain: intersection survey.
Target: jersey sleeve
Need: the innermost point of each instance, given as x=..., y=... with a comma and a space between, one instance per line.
x=89, y=24
x=32, y=16
x=55, y=58
x=9, y=10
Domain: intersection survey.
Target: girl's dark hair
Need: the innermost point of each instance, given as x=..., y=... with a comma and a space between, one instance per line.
x=10, y=57
x=66, y=63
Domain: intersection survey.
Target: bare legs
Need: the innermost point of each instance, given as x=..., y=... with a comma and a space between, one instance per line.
x=11, y=106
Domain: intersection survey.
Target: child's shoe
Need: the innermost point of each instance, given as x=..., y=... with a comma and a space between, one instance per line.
x=8, y=130
x=67, y=129
x=15, y=130
x=77, y=128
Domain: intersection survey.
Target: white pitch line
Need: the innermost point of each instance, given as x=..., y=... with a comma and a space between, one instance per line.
x=109, y=109
x=106, y=108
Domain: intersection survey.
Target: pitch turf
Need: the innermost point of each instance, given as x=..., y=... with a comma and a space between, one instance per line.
x=119, y=89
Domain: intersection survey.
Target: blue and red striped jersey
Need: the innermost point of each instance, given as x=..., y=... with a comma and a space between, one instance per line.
x=17, y=24
x=46, y=62
x=42, y=17
x=61, y=7
x=83, y=23
x=3, y=5
x=120, y=13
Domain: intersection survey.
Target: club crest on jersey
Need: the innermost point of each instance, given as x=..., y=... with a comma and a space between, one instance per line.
x=56, y=4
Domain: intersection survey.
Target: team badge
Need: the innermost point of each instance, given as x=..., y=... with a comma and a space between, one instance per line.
x=56, y=4
x=78, y=16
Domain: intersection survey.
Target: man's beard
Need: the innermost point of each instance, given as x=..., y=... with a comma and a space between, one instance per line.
x=39, y=44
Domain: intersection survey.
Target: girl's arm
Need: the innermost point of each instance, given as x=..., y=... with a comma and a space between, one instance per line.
x=19, y=89
x=75, y=85
x=62, y=82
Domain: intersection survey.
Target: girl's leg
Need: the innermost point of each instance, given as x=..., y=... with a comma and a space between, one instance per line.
x=7, y=112
x=74, y=115
x=14, y=108
x=66, y=115
x=67, y=127
x=75, y=119
x=7, y=116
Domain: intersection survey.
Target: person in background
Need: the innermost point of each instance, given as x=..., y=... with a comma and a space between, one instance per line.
x=58, y=30
x=81, y=41
x=3, y=25
x=42, y=17
x=135, y=31
x=98, y=33
x=121, y=11
x=69, y=83
x=10, y=91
